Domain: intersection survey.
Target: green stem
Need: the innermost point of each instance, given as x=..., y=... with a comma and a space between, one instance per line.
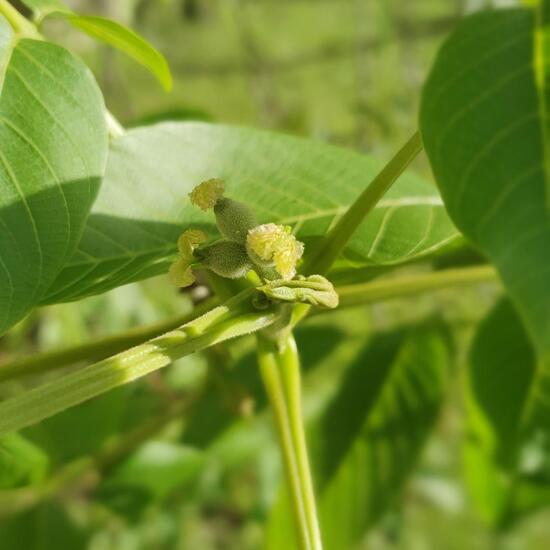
x=280, y=369
x=19, y=23
x=236, y=317
x=98, y=349
x=325, y=255
x=114, y=127
x=375, y=291
x=350, y=295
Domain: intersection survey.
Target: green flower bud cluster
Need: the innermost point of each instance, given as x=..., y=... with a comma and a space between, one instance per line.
x=269, y=249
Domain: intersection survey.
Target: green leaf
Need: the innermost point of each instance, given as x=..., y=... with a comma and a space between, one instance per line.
x=21, y=462
x=149, y=476
x=158, y=468
x=143, y=206
x=110, y=32
x=82, y=430
x=54, y=148
x=43, y=528
x=508, y=440
x=483, y=120
x=125, y=40
x=371, y=434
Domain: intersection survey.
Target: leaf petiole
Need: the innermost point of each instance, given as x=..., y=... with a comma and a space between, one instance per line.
x=325, y=255
x=19, y=23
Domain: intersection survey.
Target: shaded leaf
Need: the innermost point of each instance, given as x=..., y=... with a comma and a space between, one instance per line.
x=153, y=472
x=371, y=434
x=483, y=121
x=143, y=206
x=21, y=462
x=508, y=444
x=43, y=528
x=54, y=146
x=82, y=430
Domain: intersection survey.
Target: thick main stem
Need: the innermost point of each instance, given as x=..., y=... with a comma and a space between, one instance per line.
x=97, y=350
x=280, y=369
x=234, y=318
x=350, y=295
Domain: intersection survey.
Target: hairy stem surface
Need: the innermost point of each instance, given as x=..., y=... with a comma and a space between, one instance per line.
x=98, y=349
x=235, y=318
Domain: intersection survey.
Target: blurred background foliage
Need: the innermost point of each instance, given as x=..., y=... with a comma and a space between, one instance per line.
x=186, y=458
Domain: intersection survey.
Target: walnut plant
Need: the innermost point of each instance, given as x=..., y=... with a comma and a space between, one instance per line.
x=279, y=231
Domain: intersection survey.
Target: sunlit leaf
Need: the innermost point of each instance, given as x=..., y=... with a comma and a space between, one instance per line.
x=54, y=146
x=144, y=204
x=125, y=40
x=41, y=8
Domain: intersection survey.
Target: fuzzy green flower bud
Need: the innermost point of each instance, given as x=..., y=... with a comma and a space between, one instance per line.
x=315, y=290
x=207, y=194
x=275, y=245
x=225, y=258
x=234, y=219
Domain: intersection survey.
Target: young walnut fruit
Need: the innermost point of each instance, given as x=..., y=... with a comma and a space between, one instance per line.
x=225, y=258
x=271, y=249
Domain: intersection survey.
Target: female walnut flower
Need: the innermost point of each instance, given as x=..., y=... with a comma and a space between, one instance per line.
x=275, y=245
x=269, y=249
x=181, y=271
x=207, y=194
